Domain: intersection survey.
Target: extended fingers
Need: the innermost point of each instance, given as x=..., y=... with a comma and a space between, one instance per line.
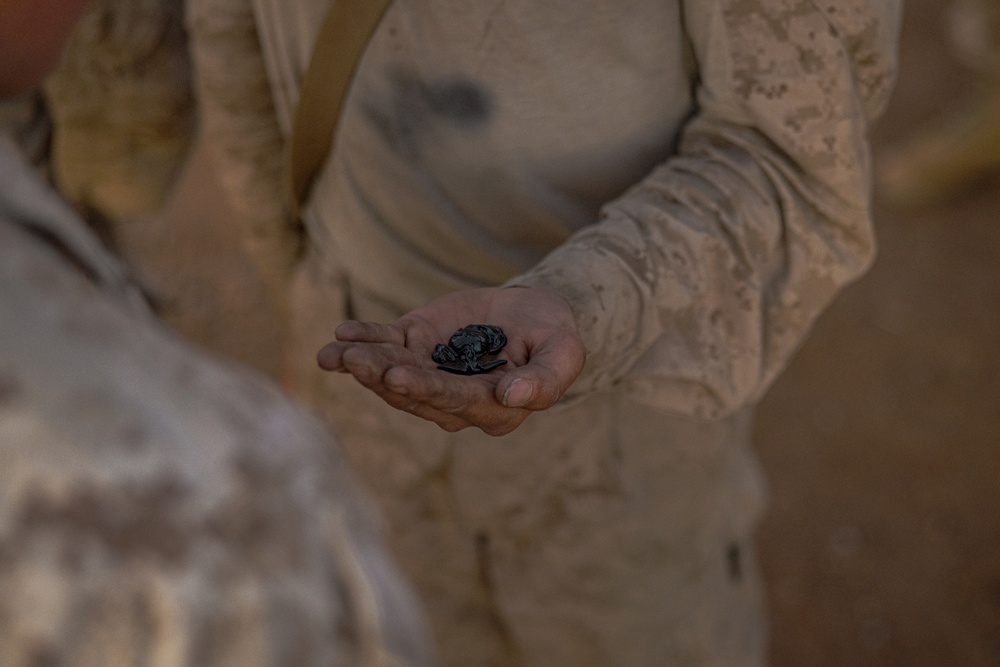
x=387, y=374
x=471, y=399
x=331, y=356
x=356, y=331
x=442, y=390
x=368, y=362
x=352, y=332
x=373, y=365
x=445, y=420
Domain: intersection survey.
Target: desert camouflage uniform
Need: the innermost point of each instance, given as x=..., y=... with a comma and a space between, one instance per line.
x=693, y=176
x=122, y=105
x=158, y=507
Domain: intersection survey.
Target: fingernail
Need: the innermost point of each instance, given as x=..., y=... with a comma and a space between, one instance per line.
x=518, y=393
x=398, y=388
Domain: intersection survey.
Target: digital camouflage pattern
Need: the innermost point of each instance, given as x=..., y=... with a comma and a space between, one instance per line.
x=692, y=176
x=158, y=506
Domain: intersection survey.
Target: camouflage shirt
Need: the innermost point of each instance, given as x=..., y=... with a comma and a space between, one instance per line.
x=156, y=505
x=693, y=176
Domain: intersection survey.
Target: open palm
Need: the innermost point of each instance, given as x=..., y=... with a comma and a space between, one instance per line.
x=544, y=355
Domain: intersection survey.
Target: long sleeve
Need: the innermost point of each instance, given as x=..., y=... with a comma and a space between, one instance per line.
x=240, y=126
x=160, y=507
x=697, y=285
x=157, y=505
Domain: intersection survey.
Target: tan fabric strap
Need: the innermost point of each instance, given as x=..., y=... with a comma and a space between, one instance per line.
x=345, y=32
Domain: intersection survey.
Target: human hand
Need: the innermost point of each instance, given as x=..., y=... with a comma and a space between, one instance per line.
x=544, y=356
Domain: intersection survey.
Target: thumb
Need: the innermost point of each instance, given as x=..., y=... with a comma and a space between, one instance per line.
x=518, y=393
x=551, y=369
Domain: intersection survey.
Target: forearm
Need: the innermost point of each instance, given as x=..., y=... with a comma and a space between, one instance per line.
x=697, y=285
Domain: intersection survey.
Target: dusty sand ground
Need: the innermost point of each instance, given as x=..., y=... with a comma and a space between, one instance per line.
x=883, y=438
x=882, y=441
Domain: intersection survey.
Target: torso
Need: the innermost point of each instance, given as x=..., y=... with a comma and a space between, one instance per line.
x=479, y=136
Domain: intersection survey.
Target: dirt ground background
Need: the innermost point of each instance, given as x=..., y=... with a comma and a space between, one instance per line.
x=882, y=440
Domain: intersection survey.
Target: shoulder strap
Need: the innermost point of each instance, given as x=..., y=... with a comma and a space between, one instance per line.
x=345, y=32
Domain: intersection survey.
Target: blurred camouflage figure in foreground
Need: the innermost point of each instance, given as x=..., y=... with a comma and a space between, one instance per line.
x=156, y=505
